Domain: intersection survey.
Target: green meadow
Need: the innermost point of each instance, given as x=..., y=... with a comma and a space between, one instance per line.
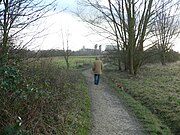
x=74, y=61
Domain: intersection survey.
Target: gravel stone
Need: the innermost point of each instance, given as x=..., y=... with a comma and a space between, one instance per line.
x=108, y=114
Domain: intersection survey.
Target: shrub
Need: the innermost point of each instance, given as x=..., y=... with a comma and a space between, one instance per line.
x=40, y=99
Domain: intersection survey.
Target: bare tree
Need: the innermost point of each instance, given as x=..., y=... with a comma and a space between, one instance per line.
x=102, y=23
x=65, y=43
x=128, y=22
x=166, y=27
x=15, y=16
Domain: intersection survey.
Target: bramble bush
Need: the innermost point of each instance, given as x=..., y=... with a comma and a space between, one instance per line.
x=40, y=99
x=12, y=94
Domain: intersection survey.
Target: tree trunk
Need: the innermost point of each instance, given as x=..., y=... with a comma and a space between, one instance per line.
x=67, y=61
x=131, y=60
x=4, y=53
x=163, y=58
x=119, y=58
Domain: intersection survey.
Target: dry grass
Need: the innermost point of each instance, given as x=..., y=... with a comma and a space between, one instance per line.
x=156, y=87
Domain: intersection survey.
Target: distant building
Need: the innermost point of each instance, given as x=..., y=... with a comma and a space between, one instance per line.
x=100, y=48
x=109, y=47
x=83, y=49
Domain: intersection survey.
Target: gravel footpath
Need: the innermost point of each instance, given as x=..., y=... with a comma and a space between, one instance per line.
x=108, y=115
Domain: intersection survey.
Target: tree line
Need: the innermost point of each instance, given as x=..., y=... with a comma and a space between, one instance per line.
x=150, y=56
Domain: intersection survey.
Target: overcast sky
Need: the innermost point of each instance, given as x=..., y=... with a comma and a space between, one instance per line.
x=62, y=23
x=65, y=22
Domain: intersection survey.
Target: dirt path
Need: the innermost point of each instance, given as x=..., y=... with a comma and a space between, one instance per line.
x=108, y=115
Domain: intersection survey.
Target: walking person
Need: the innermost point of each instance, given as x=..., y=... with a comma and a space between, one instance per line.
x=97, y=69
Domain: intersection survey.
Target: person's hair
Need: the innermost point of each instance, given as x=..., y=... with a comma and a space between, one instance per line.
x=97, y=58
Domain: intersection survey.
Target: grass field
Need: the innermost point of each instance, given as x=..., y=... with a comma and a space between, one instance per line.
x=156, y=87
x=75, y=61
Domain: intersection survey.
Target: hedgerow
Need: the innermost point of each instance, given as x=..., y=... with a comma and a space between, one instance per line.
x=42, y=99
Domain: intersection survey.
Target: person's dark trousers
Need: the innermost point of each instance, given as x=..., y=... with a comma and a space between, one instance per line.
x=96, y=79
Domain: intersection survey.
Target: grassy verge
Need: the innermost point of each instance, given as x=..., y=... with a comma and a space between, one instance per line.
x=77, y=116
x=151, y=123
x=85, y=110
x=157, y=88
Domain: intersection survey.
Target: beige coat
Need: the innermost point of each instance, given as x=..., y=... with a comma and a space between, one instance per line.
x=97, y=67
